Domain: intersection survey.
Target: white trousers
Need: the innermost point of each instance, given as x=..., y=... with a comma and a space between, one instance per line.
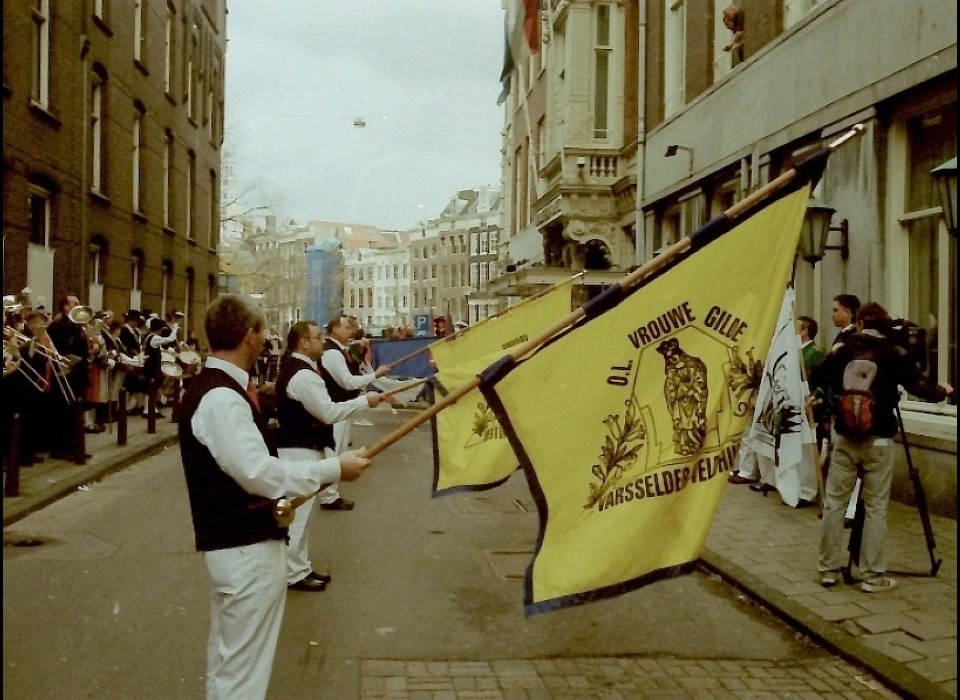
x=246, y=607
x=341, y=438
x=298, y=548
x=747, y=464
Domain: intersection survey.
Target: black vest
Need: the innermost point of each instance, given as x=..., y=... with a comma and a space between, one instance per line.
x=298, y=427
x=152, y=358
x=222, y=513
x=337, y=392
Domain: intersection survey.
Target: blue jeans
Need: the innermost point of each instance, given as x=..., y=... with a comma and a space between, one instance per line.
x=874, y=458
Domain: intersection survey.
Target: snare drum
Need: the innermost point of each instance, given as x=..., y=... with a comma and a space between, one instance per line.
x=132, y=365
x=171, y=372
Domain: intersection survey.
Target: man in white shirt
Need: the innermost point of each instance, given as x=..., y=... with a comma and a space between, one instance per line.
x=344, y=382
x=233, y=481
x=307, y=416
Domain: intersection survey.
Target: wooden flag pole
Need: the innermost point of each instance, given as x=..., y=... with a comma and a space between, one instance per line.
x=460, y=332
x=630, y=281
x=404, y=387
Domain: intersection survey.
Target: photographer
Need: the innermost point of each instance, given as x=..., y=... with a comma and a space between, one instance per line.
x=864, y=374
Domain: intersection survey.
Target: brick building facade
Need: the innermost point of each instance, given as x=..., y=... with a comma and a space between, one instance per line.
x=113, y=125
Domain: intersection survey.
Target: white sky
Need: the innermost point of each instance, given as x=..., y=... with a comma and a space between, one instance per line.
x=422, y=73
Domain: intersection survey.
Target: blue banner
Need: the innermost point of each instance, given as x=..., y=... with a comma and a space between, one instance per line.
x=386, y=351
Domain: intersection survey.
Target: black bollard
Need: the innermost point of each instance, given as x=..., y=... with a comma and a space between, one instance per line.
x=122, y=418
x=152, y=409
x=80, y=446
x=11, y=487
x=175, y=410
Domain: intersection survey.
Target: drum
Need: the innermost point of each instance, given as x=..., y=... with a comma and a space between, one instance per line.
x=133, y=366
x=171, y=373
x=189, y=361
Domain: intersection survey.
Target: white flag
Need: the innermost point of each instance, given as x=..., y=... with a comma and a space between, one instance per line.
x=780, y=430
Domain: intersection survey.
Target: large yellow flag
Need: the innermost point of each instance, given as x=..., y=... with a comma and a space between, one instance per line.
x=471, y=451
x=628, y=424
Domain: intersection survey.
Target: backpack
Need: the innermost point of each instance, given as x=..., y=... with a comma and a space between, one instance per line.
x=857, y=401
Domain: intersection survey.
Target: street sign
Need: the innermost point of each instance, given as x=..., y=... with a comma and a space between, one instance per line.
x=422, y=326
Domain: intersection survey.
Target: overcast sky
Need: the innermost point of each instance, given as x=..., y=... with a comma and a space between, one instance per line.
x=422, y=73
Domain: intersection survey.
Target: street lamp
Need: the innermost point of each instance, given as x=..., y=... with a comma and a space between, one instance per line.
x=816, y=229
x=945, y=175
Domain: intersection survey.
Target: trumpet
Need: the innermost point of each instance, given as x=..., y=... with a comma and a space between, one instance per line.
x=64, y=362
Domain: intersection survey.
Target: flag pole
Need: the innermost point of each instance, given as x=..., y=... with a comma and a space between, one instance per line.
x=460, y=332
x=628, y=282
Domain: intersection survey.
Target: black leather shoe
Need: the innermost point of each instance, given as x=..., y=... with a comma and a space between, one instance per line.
x=737, y=479
x=339, y=504
x=323, y=578
x=308, y=584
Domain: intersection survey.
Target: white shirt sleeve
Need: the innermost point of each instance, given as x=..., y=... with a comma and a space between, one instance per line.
x=336, y=365
x=223, y=423
x=308, y=387
x=156, y=341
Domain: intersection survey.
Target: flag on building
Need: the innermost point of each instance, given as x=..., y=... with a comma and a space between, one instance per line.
x=470, y=449
x=628, y=424
x=781, y=433
x=521, y=38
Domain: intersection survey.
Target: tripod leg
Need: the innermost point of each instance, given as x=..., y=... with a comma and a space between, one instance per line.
x=921, y=497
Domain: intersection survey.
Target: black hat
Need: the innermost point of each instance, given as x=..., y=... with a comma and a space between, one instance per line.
x=133, y=313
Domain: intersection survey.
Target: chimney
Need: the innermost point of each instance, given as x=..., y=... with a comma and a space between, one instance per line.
x=271, y=224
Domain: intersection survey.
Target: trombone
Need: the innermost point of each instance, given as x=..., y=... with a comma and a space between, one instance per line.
x=13, y=343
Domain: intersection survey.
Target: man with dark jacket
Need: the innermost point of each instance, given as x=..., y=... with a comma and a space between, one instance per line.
x=233, y=478
x=864, y=425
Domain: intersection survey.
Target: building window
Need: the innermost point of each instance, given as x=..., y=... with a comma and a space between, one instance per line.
x=188, y=296
x=39, y=202
x=40, y=90
x=191, y=77
x=139, y=31
x=190, y=192
x=722, y=39
x=923, y=255
x=167, y=178
x=214, y=223
x=97, y=132
x=98, y=9
x=137, y=169
x=136, y=272
x=165, y=280
x=601, y=78
x=674, y=45
x=483, y=243
x=169, y=49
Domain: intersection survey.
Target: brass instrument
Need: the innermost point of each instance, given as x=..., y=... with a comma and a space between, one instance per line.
x=81, y=315
x=11, y=357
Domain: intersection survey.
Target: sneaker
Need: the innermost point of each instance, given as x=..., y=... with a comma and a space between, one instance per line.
x=878, y=586
x=828, y=579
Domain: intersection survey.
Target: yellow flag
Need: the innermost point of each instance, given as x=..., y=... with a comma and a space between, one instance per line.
x=471, y=449
x=628, y=425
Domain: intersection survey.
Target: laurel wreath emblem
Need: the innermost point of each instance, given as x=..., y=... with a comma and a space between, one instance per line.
x=619, y=451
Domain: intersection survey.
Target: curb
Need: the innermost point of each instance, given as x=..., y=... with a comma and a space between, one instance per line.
x=896, y=676
x=92, y=474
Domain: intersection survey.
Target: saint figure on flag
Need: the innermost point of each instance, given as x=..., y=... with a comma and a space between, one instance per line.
x=685, y=390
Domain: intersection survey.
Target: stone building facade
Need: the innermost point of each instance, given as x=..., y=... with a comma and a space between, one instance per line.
x=113, y=124
x=652, y=117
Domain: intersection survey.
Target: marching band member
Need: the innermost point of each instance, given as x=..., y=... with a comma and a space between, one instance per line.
x=132, y=342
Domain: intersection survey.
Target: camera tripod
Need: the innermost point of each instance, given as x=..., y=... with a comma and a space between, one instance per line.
x=856, y=533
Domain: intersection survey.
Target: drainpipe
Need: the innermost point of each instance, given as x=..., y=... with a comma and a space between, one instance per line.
x=640, y=238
